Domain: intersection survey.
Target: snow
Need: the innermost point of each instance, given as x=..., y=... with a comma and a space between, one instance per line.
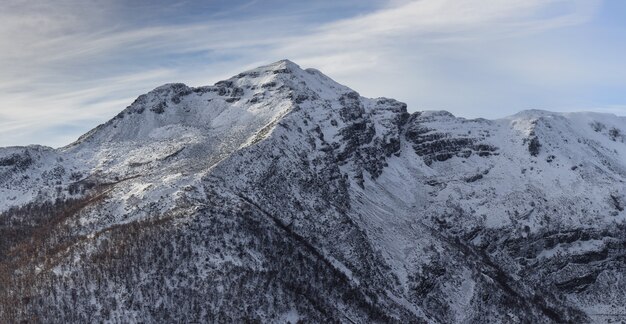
x=291, y=317
x=574, y=248
x=160, y=162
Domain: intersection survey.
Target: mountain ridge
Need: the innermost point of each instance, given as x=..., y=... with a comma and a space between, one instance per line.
x=278, y=175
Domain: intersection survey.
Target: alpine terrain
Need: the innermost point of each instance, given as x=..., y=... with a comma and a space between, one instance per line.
x=279, y=196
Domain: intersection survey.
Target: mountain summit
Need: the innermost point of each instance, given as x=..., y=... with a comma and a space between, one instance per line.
x=279, y=195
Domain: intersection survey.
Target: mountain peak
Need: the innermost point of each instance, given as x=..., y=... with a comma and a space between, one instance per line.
x=169, y=87
x=279, y=67
x=284, y=64
x=534, y=113
x=256, y=96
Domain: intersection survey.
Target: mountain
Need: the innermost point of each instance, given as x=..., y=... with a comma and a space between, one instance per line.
x=279, y=195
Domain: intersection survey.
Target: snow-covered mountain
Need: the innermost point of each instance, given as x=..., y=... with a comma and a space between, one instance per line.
x=279, y=195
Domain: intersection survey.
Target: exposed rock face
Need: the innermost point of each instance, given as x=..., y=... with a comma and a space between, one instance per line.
x=437, y=145
x=279, y=195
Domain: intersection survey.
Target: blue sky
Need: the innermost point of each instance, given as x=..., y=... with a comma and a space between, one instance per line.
x=69, y=65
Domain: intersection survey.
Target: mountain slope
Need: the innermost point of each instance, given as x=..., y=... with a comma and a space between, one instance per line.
x=279, y=195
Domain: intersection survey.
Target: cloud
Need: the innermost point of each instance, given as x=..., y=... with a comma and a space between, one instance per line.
x=445, y=21
x=77, y=64
x=470, y=57
x=33, y=111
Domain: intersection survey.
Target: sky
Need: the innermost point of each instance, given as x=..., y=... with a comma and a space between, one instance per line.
x=68, y=65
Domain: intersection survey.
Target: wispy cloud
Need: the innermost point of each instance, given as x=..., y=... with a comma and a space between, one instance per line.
x=71, y=65
x=474, y=58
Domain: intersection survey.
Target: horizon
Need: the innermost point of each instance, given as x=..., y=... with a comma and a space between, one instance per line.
x=70, y=66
